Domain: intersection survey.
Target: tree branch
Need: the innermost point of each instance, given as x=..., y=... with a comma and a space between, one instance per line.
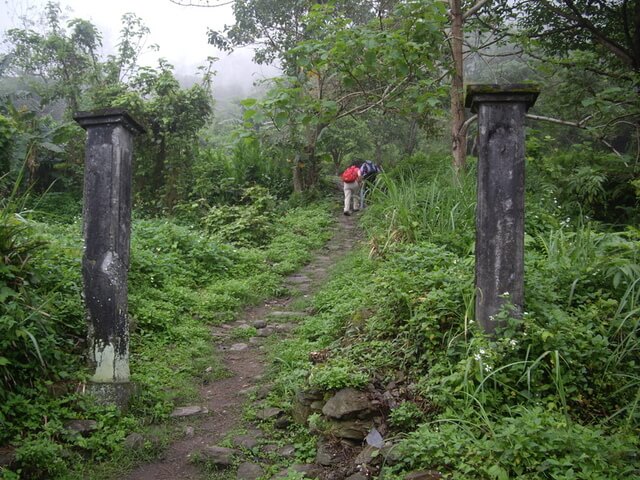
x=479, y=4
x=360, y=109
x=571, y=64
x=580, y=124
x=582, y=22
x=465, y=126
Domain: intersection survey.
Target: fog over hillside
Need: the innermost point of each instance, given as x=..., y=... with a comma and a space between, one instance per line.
x=236, y=75
x=179, y=32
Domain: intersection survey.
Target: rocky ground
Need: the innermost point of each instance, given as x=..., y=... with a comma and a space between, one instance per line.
x=219, y=413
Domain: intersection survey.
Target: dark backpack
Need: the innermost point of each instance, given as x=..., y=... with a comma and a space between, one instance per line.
x=369, y=170
x=350, y=175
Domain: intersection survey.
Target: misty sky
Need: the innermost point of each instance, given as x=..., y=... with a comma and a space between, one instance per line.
x=179, y=31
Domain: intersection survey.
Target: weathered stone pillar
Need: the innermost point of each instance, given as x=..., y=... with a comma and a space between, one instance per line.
x=500, y=210
x=105, y=263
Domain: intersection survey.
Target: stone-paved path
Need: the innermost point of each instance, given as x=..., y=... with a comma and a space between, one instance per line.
x=222, y=401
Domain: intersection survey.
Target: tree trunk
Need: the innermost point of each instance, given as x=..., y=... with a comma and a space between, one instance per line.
x=458, y=137
x=297, y=175
x=336, y=156
x=311, y=170
x=310, y=164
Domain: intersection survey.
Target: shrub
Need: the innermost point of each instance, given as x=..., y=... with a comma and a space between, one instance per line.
x=337, y=374
x=246, y=225
x=406, y=416
x=531, y=444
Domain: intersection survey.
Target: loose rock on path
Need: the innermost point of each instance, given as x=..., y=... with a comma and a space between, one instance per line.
x=221, y=403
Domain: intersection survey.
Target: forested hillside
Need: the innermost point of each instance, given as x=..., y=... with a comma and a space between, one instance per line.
x=230, y=202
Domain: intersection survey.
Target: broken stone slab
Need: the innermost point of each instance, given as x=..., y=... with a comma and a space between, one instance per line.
x=249, y=471
x=325, y=455
x=350, y=429
x=248, y=391
x=259, y=323
x=298, y=279
x=265, y=332
x=270, y=448
x=81, y=427
x=285, y=327
x=347, y=402
x=245, y=441
x=216, y=455
x=238, y=347
x=255, y=432
x=263, y=390
x=307, y=397
x=300, y=413
x=282, y=423
x=269, y=413
x=288, y=451
x=134, y=441
x=189, y=411
x=305, y=403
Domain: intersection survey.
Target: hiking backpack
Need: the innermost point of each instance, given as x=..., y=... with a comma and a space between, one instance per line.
x=368, y=170
x=350, y=175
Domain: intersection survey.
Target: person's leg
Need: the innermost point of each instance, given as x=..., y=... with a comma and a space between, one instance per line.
x=363, y=192
x=356, y=196
x=347, y=198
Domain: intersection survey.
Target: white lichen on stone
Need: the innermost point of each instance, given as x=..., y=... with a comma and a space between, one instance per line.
x=110, y=366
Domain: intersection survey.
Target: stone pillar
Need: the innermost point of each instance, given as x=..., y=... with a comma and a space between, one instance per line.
x=501, y=112
x=105, y=263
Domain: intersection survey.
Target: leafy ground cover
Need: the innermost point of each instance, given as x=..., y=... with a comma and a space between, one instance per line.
x=553, y=395
x=182, y=281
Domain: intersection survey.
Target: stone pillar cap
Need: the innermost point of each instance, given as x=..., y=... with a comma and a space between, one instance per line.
x=108, y=116
x=512, y=92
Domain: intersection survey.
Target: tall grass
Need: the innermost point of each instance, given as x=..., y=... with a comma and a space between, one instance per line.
x=416, y=204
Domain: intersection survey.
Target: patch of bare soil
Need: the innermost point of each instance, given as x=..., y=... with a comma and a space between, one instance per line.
x=245, y=360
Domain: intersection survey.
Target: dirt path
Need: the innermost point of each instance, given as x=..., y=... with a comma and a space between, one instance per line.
x=245, y=360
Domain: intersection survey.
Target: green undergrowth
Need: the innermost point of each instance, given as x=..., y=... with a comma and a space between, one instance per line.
x=182, y=281
x=554, y=394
